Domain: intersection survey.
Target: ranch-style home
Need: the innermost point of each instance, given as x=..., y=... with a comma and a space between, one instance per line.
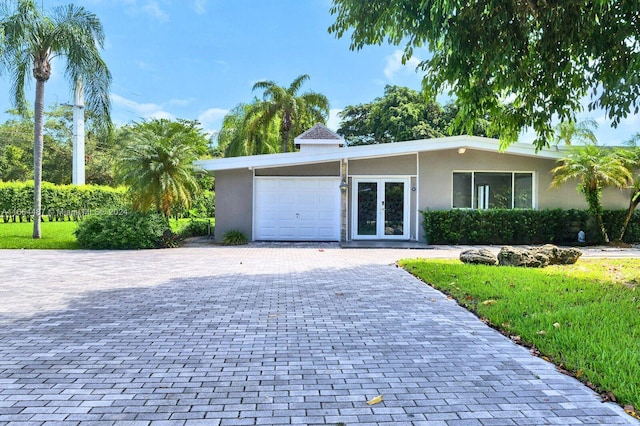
x=331, y=192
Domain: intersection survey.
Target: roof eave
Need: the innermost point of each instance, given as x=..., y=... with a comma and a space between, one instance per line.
x=380, y=150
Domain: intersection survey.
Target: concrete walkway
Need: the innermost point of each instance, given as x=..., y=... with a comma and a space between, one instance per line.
x=262, y=334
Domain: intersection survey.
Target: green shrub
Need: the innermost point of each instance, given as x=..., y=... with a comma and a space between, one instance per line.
x=497, y=226
x=234, y=238
x=127, y=231
x=59, y=202
x=196, y=228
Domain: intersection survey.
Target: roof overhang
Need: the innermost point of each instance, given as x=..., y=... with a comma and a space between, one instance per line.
x=379, y=150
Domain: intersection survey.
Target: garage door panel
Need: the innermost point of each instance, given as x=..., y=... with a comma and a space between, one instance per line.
x=297, y=209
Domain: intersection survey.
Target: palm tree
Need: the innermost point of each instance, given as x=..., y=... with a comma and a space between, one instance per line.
x=595, y=168
x=158, y=169
x=30, y=40
x=295, y=112
x=569, y=132
x=632, y=155
x=237, y=139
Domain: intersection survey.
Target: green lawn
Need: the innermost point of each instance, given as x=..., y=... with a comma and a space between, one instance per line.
x=585, y=317
x=55, y=235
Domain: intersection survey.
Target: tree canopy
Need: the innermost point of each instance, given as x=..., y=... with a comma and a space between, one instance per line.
x=525, y=63
x=157, y=165
x=238, y=138
x=295, y=112
x=401, y=114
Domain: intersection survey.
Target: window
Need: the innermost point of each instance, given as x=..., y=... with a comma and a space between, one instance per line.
x=492, y=190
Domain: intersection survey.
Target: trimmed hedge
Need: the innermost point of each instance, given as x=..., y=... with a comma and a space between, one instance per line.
x=496, y=226
x=59, y=202
x=123, y=232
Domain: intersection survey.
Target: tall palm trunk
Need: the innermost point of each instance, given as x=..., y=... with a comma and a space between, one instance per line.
x=38, y=143
x=287, y=123
x=633, y=203
x=595, y=207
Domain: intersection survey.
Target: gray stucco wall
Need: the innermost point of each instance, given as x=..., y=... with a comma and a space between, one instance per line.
x=234, y=202
x=319, y=169
x=436, y=178
x=387, y=166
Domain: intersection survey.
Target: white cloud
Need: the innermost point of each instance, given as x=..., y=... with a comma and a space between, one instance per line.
x=152, y=8
x=211, y=119
x=334, y=121
x=140, y=110
x=394, y=65
x=179, y=102
x=200, y=6
x=144, y=65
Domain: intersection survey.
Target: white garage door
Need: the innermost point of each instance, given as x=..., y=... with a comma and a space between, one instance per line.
x=297, y=209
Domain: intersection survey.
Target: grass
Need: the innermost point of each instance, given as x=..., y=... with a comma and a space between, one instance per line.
x=55, y=235
x=585, y=317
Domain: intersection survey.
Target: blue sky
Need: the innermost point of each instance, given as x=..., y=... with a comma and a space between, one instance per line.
x=196, y=59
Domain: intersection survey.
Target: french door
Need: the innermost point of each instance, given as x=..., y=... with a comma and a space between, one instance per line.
x=380, y=208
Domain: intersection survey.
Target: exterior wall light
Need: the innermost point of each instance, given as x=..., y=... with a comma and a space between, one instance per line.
x=462, y=150
x=344, y=185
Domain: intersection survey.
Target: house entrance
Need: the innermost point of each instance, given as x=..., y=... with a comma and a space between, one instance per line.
x=381, y=208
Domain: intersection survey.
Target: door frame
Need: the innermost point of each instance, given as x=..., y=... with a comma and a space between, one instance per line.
x=380, y=181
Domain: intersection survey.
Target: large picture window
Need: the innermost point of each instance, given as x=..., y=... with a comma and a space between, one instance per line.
x=492, y=190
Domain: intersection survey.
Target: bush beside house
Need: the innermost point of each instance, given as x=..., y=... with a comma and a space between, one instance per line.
x=555, y=226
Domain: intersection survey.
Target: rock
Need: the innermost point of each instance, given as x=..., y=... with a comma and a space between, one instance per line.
x=478, y=257
x=538, y=257
x=513, y=256
x=560, y=256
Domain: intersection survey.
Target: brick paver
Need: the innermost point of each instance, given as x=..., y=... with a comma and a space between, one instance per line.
x=263, y=334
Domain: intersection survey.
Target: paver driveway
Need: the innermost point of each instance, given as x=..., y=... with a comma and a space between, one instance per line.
x=259, y=335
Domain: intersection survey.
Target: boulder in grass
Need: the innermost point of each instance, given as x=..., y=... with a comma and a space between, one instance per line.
x=537, y=257
x=528, y=258
x=478, y=257
x=560, y=256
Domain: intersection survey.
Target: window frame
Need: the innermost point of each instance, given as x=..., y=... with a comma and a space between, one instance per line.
x=534, y=198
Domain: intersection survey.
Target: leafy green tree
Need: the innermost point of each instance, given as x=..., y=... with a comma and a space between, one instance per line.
x=355, y=126
x=541, y=56
x=100, y=149
x=185, y=132
x=594, y=168
x=157, y=166
x=30, y=40
x=570, y=132
x=16, y=149
x=236, y=138
x=295, y=112
x=401, y=114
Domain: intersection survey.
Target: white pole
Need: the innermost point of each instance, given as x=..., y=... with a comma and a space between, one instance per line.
x=78, y=135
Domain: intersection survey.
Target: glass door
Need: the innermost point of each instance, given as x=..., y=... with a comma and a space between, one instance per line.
x=381, y=209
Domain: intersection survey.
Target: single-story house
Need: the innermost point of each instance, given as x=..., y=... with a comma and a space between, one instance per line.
x=331, y=192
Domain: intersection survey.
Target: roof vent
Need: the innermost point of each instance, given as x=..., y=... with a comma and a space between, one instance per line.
x=318, y=138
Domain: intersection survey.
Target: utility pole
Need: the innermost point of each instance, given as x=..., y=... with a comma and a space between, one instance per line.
x=78, y=134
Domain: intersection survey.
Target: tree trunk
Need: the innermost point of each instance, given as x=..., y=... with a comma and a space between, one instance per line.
x=285, y=142
x=603, y=230
x=38, y=143
x=595, y=207
x=633, y=203
x=287, y=122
